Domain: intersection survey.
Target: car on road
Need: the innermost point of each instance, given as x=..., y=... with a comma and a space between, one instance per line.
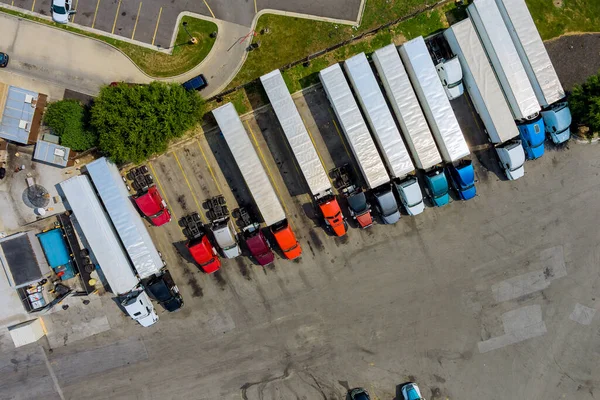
x=3, y=59
x=359, y=394
x=165, y=291
x=204, y=253
x=197, y=83
x=61, y=11
x=411, y=391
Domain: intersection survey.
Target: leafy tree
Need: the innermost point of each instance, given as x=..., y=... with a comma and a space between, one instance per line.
x=133, y=122
x=585, y=104
x=68, y=119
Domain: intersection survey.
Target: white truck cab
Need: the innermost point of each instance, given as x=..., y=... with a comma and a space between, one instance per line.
x=511, y=159
x=451, y=75
x=411, y=196
x=224, y=233
x=140, y=308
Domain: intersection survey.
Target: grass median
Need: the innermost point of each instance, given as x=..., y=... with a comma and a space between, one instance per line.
x=184, y=56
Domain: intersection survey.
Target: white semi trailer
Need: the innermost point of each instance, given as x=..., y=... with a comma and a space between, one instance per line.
x=355, y=129
x=511, y=74
x=256, y=179
x=385, y=131
x=440, y=116
x=304, y=150
x=487, y=97
x=106, y=249
x=539, y=68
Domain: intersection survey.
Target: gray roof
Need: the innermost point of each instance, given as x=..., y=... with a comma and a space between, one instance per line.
x=99, y=234
x=126, y=219
x=18, y=114
x=22, y=258
x=353, y=125
x=249, y=164
x=51, y=153
x=378, y=114
x=295, y=131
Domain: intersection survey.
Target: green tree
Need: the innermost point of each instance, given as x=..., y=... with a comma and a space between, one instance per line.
x=585, y=104
x=133, y=122
x=68, y=119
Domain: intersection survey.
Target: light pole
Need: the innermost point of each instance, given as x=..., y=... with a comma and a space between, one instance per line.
x=193, y=40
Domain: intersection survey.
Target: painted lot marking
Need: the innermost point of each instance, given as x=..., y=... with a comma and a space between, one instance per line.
x=207, y=6
x=343, y=140
x=163, y=191
x=212, y=173
x=136, y=20
x=76, y=5
x=116, y=16
x=95, y=14
x=202, y=216
x=156, y=29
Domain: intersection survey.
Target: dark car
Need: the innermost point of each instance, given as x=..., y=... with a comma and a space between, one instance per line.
x=197, y=83
x=165, y=291
x=359, y=394
x=3, y=59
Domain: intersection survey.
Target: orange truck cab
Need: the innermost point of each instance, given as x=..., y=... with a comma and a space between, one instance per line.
x=286, y=239
x=333, y=215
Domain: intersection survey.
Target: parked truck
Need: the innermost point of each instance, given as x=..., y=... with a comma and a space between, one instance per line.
x=358, y=205
x=511, y=75
x=442, y=121
x=222, y=227
x=201, y=249
x=144, y=256
x=257, y=180
x=106, y=249
x=360, y=140
x=386, y=133
x=413, y=125
x=538, y=66
x=304, y=150
x=147, y=197
x=487, y=97
x=446, y=65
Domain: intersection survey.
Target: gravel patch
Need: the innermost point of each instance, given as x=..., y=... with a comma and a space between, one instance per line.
x=575, y=57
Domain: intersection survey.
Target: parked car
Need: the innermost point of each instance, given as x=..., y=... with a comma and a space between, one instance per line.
x=165, y=291
x=411, y=391
x=3, y=59
x=197, y=83
x=61, y=11
x=359, y=394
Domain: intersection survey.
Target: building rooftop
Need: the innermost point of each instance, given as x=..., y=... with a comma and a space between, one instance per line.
x=22, y=259
x=21, y=114
x=51, y=153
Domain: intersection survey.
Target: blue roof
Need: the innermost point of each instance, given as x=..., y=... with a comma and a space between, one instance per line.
x=51, y=153
x=20, y=106
x=54, y=247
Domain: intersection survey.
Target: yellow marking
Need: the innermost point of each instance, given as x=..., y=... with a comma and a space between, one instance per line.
x=191, y=190
x=156, y=29
x=116, y=16
x=33, y=5
x=312, y=139
x=136, y=20
x=12, y=3
x=209, y=167
x=43, y=324
x=271, y=178
x=473, y=113
x=76, y=4
x=164, y=196
x=95, y=14
x=207, y=6
x=255, y=9
x=343, y=140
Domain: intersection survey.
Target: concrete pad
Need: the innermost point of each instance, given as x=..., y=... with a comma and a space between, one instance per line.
x=519, y=325
x=582, y=315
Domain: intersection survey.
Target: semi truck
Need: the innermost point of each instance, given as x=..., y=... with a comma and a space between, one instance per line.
x=446, y=65
x=304, y=150
x=147, y=198
x=511, y=74
x=257, y=180
x=440, y=116
x=413, y=125
x=355, y=129
x=538, y=66
x=487, y=97
x=386, y=133
x=144, y=256
x=106, y=249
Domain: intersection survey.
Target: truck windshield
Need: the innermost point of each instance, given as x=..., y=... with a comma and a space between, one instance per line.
x=455, y=84
x=59, y=10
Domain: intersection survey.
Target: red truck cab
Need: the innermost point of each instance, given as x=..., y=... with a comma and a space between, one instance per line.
x=204, y=253
x=152, y=205
x=286, y=240
x=259, y=248
x=333, y=215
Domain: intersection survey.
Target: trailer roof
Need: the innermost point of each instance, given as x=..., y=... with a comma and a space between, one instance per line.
x=406, y=106
x=504, y=50
x=479, y=78
x=534, y=49
x=249, y=164
x=416, y=57
x=379, y=116
x=99, y=234
x=352, y=123
x=126, y=219
x=295, y=132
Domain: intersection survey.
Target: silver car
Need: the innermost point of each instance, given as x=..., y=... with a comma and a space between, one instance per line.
x=61, y=11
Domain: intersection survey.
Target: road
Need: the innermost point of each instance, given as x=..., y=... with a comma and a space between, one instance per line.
x=489, y=299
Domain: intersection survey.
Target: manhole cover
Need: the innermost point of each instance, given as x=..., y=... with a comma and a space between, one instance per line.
x=37, y=196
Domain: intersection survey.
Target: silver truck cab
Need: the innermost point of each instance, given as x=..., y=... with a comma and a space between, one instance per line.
x=226, y=238
x=411, y=196
x=511, y=157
